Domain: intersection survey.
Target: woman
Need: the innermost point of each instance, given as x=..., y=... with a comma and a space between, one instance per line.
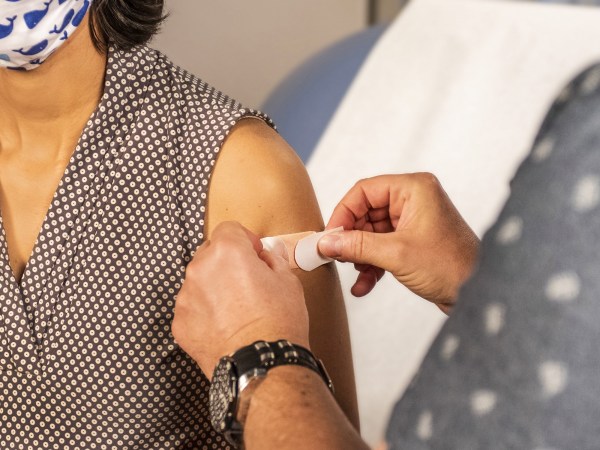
x=106, y=154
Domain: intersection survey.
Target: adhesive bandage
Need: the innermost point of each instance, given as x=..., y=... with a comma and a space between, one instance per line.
x=301, y=249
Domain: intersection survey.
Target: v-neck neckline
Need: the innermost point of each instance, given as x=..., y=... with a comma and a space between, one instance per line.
x=4, y=250
x=33, y=298
x=27, y=297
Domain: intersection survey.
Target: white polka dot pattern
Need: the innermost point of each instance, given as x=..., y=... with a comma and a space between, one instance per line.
x=586, y=195
x=425, y=426
x=543, y=149
x=87, y=359
x=563, y=287
x=449, y=347
x=553, y=377
x=483, y=402
x=495, y=316
x=510, y=231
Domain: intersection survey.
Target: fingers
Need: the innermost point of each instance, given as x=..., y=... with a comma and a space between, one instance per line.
x=275, y=262
x=254, y=239
x=235, y=231
x=236, y=238
x=377, y=195
x=362, y=247
x=368, y=276
x=379, y=272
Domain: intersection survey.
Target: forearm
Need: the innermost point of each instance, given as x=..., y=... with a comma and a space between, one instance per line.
x=329, y=335
x=293, y=409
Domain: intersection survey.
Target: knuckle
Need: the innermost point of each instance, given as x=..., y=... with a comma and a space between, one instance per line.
x=428, y=178
x=427, y=183
x=193, y=273
x=222, y=251
x=181, y=305
x=219, y=249
x=360, y=183
x=228, y=231
x=224, y=226
x=357, y=244
x=177, y=329
x=230, y=227
x=193, y=266
x=197, y=260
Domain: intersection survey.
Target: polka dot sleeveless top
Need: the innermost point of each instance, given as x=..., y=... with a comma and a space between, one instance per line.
x=87, y=359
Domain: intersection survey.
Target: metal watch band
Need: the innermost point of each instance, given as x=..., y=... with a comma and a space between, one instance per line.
x=254, y=361
x=266, y=355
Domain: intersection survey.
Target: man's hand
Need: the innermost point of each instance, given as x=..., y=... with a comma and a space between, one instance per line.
x=236, y=293
x=406, y=225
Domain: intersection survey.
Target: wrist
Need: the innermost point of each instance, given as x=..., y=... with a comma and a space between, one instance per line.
x=291, y=379
x=293, y=408
x=465, y=269
x=237, y=377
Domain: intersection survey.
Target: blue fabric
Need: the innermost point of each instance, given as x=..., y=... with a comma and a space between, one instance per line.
x=304, y=103
x=516, y=366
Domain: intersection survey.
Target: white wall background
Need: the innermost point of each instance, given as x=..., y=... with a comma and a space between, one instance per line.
x=245, y=48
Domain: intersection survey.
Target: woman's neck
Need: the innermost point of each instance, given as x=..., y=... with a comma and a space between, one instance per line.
x=44, y=110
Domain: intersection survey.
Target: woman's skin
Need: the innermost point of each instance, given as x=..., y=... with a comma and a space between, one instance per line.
x=43, y=114
x=260, y=182
x=257, y=181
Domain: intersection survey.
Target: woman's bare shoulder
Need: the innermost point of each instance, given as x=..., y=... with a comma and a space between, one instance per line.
x=260, y=181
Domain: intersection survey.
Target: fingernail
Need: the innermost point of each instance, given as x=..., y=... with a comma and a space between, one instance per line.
x=331, y=245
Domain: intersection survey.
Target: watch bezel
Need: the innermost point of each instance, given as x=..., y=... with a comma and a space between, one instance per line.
x=225, y=379
x=249, y=378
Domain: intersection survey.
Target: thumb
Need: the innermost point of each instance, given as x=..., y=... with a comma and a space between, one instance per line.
x=362, y=247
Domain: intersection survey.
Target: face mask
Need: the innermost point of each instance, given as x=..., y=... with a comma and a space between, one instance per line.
x=31, y=30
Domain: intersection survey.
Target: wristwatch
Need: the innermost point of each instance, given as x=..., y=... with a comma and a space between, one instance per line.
x=237, y=376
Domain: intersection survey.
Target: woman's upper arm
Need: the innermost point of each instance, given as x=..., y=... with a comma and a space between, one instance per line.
x=260, y=182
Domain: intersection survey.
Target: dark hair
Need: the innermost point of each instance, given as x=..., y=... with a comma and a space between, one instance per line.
x=124, y=23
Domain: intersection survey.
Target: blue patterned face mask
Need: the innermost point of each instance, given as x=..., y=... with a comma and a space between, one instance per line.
x=31, y=30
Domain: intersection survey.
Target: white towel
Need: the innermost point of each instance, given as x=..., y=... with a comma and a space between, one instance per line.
x=458, y=88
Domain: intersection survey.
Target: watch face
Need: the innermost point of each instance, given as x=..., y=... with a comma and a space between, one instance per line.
x=223, y=395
